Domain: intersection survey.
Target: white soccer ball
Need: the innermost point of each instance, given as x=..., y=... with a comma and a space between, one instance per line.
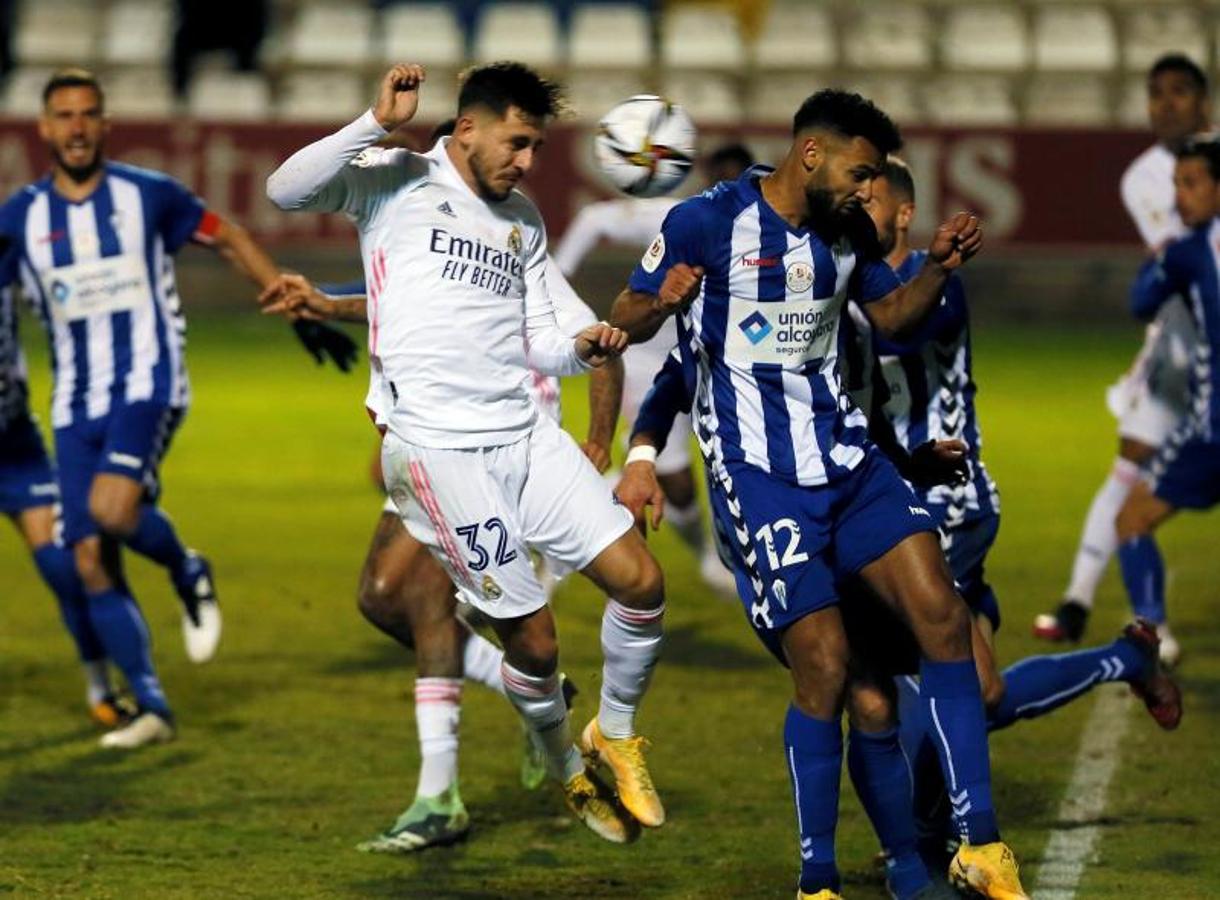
x=645, y=146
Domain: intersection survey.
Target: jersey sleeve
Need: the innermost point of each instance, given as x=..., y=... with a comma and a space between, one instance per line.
x=666, y=398
x=1146, y=205
x=679, y=241
x=1161, y=278
x=571, y=313
x=181, y=216
x=547, y=349
x=871, y=280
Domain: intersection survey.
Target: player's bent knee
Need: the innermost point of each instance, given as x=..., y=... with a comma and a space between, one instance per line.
x=871, y=710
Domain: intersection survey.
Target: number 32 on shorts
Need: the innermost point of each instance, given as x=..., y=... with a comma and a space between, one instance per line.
x=768, y=535
x=503, y=555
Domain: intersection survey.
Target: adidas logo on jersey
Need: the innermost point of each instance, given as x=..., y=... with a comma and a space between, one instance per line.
x=446, y=209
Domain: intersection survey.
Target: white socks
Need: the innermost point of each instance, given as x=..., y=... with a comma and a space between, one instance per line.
x=438, y=710
x=688, y=522
x=631, y=643
x=540, y=703
x=1100, y=539
x=97, y=681
x=481, y=662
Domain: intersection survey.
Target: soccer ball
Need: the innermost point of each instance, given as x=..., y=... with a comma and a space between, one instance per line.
x=645, y=146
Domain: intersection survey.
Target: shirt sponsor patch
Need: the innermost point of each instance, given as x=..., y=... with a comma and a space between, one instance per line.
x=654, y=254
x=101, y=286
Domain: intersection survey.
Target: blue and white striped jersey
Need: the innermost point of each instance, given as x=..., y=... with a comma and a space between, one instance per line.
x=101, y=275
x=14, y=394
x=1190, y=267
x=764, y=330
x=923, y=388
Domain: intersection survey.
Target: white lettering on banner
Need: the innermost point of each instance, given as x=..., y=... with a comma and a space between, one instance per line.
x=789, y=333
x=980, y=168
x=97, y=287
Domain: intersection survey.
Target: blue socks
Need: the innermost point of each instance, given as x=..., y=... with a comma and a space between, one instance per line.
x=1144, y=577
x=882, y=780
x=953, y=705
x=117, y=620
x=814, y=751
x=933, y=826
x=155, y=539
x=1039, y=684
x=58, y=569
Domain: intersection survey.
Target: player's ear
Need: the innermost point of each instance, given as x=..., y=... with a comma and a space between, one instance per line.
x=465, y=126
x=812, y=150
x=906, y=214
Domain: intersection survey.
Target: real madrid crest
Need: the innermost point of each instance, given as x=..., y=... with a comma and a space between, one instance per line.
x=491, y=590
x=514, y=241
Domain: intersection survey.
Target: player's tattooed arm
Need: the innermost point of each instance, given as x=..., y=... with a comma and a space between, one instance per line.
x=955, y=242
x=295, y=296
x=641, y=315
x=605, y=399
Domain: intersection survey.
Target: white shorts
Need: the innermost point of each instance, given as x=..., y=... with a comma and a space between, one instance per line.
x=641, y=363
x=480, y=512
x=1150, y=399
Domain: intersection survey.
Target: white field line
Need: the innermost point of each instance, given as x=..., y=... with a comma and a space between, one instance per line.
x=1073, y=844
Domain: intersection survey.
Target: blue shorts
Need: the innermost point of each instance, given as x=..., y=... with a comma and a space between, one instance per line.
x=26, y=477
x=1186, y=473
x=793, y=544
x=130, y=440
x=966, y=546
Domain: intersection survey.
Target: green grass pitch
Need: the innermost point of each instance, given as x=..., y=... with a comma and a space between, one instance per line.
x=297, y=741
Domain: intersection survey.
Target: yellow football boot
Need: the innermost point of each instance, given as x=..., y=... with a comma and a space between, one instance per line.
x=987, y=870
x=592, y=801
x=625, y=757
x=823, y=894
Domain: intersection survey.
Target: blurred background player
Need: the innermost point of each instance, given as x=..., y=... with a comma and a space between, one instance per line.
x=1185, y=473
x=634, y=222
x=920, y=392
x=95, y=241
x=465, y=446
x=1152, y=397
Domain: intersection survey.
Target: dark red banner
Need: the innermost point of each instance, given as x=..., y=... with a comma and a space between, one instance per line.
x=1031, y=186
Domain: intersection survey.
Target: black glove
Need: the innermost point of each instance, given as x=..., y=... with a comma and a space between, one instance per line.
x=926, y=467
x=322, y=340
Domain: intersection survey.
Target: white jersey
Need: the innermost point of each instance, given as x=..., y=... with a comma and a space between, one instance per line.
x=573, y=316
x=458, y=305
x=1147, y=192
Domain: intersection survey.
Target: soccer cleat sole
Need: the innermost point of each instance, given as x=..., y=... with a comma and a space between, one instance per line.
x=405, y=846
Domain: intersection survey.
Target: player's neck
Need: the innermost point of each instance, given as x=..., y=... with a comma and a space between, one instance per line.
x=784, y=191
x=902, y=249
x=462, y=164
x=71, y=189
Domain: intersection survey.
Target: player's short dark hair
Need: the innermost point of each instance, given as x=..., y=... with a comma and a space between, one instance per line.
x=443, y=129
x=731, y=155
x=73, y=76
x=850, y=115
x=500, y=85
x=898, y=174
x=1180, y=62
x=1206, y=150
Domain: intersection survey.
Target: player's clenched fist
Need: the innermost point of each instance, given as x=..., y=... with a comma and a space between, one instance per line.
x=398, y=97
x=599, y=342
x=639, y=491
x=680, y=286
x=956, y=241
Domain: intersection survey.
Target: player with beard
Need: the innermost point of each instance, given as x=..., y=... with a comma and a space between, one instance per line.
x=763, y=269
x=94, y=241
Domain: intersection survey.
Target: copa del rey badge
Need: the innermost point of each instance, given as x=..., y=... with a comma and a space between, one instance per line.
x=799, y=277
x=653, y=255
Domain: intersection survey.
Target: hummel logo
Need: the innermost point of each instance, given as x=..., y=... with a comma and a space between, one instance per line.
x=447, y=209
x=755, y=327
x=919, y=511
x=125, y=459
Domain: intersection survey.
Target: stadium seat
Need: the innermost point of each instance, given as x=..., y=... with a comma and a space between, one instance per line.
x=233, y=96
x=888, y=36
x=1132, y=107
x=1074, y=100
x=332, y=96
x=987, y=37
x=1150, y=31
x=591, y=94
x=23, y=90
x=54, y=32
x=710, y=99
x=980, y=100
x=796, y=35
x=611, y=35
x=528, y=32
x=438, y=101
x=138, y=32
x=329, y=34
x=427, y=33
x=774, y=99
x=897, y=96
x=1074, y=39
x=139, y=93
x=701, y=38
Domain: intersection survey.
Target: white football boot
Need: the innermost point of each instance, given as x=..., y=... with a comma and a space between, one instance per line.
x=146, y=728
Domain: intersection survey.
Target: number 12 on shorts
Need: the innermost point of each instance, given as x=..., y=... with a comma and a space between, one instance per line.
x=767, y=534
x=503, y=555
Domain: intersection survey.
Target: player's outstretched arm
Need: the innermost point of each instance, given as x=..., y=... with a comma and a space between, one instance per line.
x=312, y=177
x=641, y=315
x=1154, y=285
x=605, y=400
x=296, y=297
x=243, y=253
x=955, y=242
